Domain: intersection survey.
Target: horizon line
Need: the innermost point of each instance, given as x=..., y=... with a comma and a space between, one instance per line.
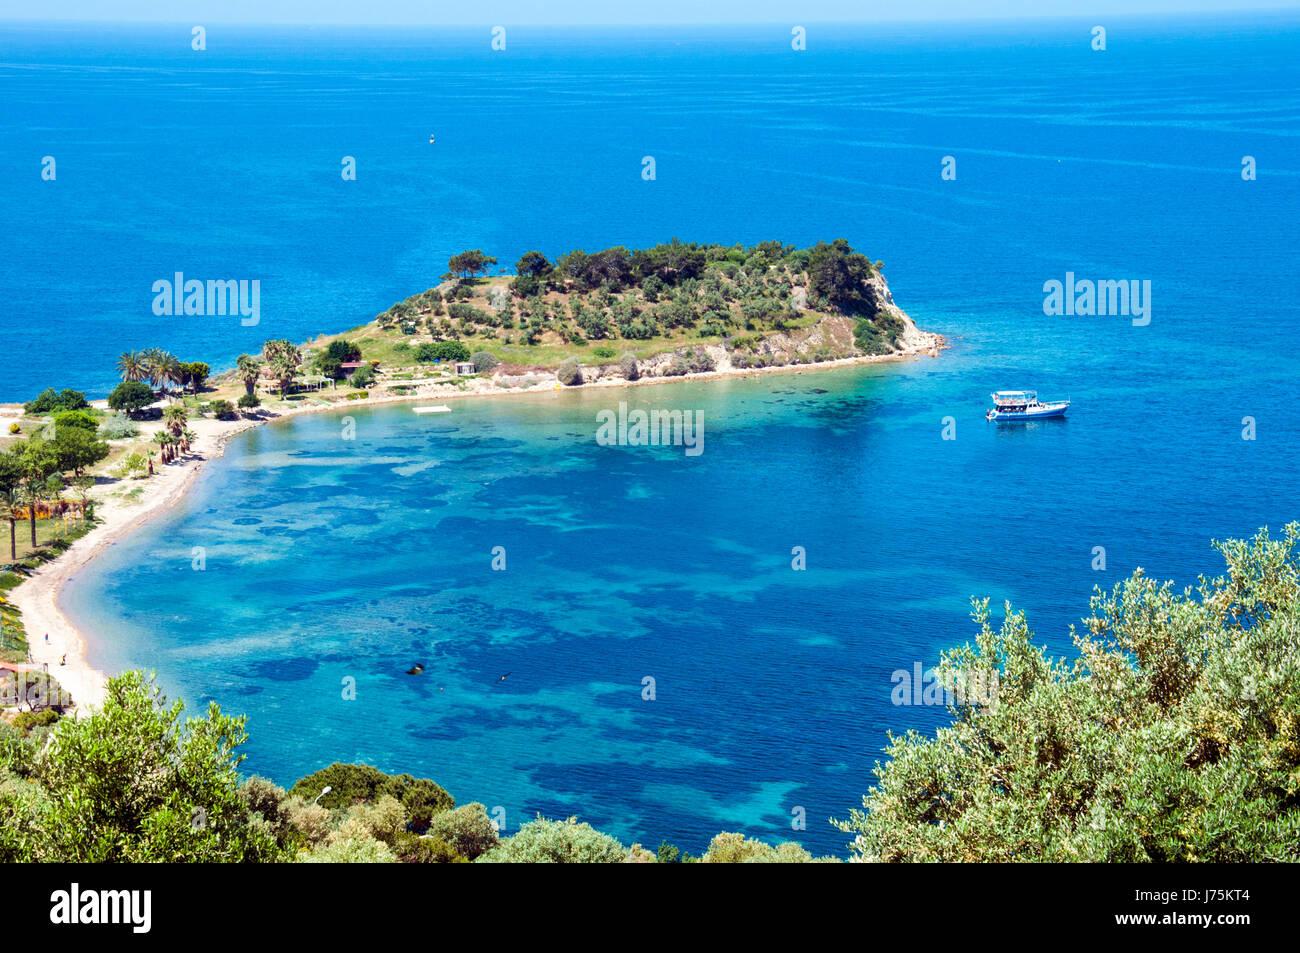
x=659, y=24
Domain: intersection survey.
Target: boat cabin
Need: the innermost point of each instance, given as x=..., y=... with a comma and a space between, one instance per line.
x=1014, y=399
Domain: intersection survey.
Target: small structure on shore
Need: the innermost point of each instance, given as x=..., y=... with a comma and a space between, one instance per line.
x=465, y=367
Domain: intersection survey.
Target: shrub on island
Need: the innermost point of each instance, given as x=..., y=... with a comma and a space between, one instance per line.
x=466, y=829
x=76, y=449
x=352, y=784
x=76, y=418
x=249, y=402
x=429, y=352
x=569, y=372
x=223, y=410
x=628, y=365
x=49, y=402
x=483, y=361
x=556, y=842
x=118, y=427
x=363, y=376
x=131, y=397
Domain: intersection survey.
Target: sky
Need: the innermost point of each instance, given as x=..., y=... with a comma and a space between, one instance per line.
x=597, y=12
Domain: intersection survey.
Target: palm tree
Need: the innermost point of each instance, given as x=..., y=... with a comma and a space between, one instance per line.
x=249, y=369
x=10, y=501
x=167, y=444
x=33, y=493
x=149, y=365
x=171, y=370
x=175, y=418
x=284, y=358
x=131, y=366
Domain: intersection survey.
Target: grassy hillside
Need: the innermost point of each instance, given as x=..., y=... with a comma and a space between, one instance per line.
x=597, y=307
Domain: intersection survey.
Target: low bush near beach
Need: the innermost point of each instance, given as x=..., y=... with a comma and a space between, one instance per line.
x=569, y=372
x=118, y=427
x=223, y=410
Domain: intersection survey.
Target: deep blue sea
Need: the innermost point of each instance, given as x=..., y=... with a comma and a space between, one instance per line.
x=330, y=559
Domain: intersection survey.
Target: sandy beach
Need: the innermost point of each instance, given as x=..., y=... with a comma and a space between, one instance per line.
x=38, y=595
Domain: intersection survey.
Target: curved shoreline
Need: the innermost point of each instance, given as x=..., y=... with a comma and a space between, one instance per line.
x=38, y=595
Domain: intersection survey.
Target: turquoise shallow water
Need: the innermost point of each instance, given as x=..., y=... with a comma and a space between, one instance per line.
x=330, y=559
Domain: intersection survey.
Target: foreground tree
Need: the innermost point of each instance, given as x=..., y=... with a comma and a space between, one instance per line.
x=1175, y=736
x=133, y=782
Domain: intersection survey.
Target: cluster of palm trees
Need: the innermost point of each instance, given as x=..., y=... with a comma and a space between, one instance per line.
x=175, y=438
x=154, y=365
x=283, y=358
x=160, y=369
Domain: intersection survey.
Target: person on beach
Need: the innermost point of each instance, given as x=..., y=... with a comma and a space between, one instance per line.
x=47, y=638
x=64, y=659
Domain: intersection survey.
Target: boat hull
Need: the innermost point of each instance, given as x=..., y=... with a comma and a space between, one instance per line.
x=1038, y=413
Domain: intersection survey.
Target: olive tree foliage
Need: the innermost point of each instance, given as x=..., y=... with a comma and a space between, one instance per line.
x=729, y=848
x=467, y=829
x=133, y=782
x=556, y=842
x=1175, y=735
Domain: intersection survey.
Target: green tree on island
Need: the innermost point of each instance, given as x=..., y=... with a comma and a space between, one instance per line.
x=131, y=397
x=837, y=273
x=468, y=264
x=533, y=264
x=38, y=462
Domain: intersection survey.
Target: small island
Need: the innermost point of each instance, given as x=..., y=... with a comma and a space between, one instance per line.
x=613, y=316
